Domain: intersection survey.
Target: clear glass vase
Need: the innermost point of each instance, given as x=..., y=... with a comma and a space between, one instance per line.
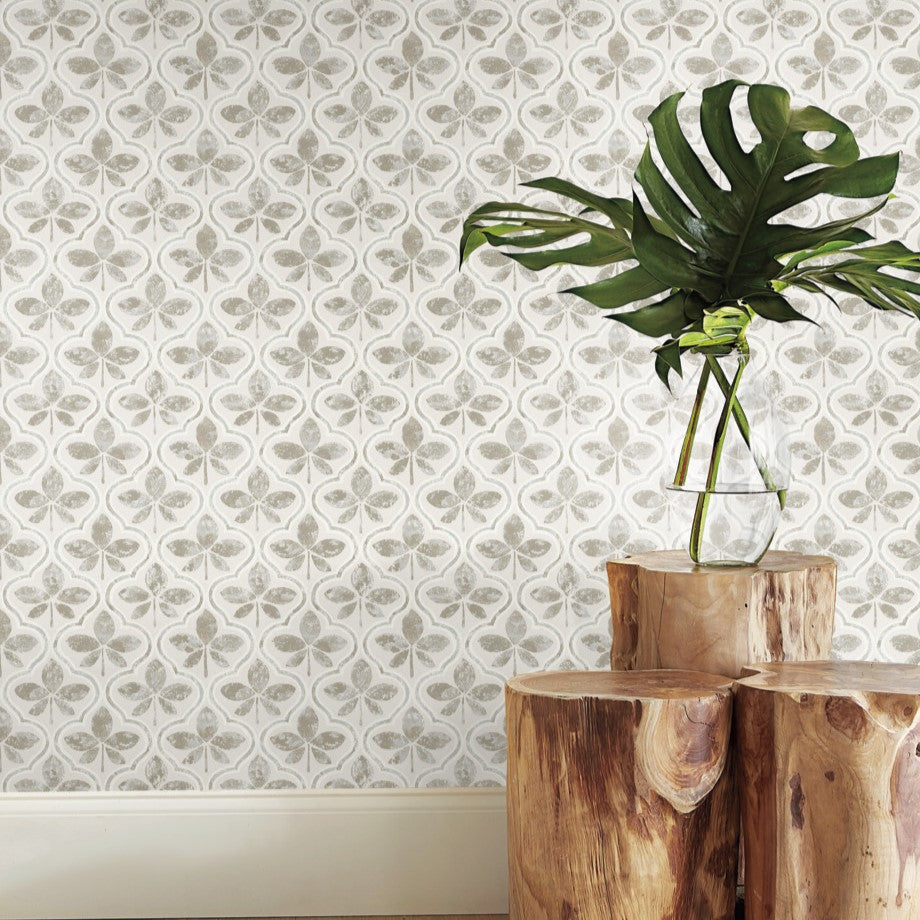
x=732, y=466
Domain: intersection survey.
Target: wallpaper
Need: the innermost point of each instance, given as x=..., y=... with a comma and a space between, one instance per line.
x=285, y=496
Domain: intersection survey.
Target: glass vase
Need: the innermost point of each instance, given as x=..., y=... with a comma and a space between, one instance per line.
x=732, y=458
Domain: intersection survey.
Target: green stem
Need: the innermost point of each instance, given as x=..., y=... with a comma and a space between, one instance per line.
x=696, y=528
x=744, y=426
x=683, y=464
x=718, y=444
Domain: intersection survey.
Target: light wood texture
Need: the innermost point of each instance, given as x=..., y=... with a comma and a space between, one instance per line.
x=669, y=613
x=622, y=802
x=401, y=917
x=830, y=759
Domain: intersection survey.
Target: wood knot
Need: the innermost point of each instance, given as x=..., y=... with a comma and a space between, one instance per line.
x=847, y=717
x=797, y=803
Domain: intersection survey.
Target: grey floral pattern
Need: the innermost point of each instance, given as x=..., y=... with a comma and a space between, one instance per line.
x=285, y=497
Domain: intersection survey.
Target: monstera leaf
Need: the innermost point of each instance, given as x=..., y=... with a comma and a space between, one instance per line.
x=715, y=256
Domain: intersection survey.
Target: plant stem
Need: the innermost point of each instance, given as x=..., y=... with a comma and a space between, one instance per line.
x=683, y=464
x=718, y=444
x=743, y=426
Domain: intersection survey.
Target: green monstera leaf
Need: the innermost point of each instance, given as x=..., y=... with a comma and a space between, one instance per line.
x=714, y=256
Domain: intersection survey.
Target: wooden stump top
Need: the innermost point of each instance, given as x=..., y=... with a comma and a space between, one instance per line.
x=622, y=685
x=834, y=678
x=829, y=752
x=668, y=612
x=622, y=803
x=678, y=560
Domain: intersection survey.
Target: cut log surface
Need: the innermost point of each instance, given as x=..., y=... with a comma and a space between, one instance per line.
x=622, y=802
x=829, y=754
x=670, y=613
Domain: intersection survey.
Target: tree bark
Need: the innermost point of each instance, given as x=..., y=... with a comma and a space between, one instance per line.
x=669, y=613
x=622, y=801
x=829, y=754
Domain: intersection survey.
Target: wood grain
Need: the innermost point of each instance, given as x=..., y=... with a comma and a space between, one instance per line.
x=830, y=759
x=622, y=802
x=670, y=613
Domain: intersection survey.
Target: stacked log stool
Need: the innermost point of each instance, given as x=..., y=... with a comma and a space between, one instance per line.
x=622, y=800
x=622, y=796
x=670, y=613
x=830, y=763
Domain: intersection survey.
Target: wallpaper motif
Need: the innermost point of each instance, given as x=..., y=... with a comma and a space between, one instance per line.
x=284, y=496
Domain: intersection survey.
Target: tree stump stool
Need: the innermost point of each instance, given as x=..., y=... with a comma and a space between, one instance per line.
x=829, y=754
x=671, y=613
x=622, y=801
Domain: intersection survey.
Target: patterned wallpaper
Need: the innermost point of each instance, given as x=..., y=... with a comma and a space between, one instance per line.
x=284, y=496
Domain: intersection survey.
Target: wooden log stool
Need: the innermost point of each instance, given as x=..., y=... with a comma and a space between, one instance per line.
x=622, y=801
x=829, y=754
x=671, y=613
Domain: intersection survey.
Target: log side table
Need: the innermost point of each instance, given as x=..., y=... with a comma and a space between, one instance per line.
x=670, y=613
x=622, y=800
x=829, y=754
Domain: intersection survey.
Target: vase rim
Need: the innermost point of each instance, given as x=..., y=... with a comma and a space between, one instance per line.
x=729, y=488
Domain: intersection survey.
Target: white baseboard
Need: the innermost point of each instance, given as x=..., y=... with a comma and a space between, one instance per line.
x=252, y=854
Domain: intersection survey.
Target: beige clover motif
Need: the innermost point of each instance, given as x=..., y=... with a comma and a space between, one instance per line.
x=155, y=117
x=313, y=643
x=309, y=67
x=52, y=501
x=104, y=644
x=306, y=549
x=207, y=66
x=516, y=646
x=412, y=66
x=53, y=774
x=13, y=644
x=465, y=595
x=258, y=693
x=308, y=743
x=156, y=778
x=52, y=307
x=103, y=68
x=206, y=644
x=412, y=742
x=52, y=115
x=260, y=595
x=12, y=742
x=52, y=595
x=156, y=18
x=361, y=692
x=265, y=19
x=102, y=741
x=52, y=694
x=206, y=743
x=519, y=65
x=207, y=551
x=514, y=548
x=414, y=452
x=157, y=596
x=103, y=550
x=155, y=693
x=53, y=19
